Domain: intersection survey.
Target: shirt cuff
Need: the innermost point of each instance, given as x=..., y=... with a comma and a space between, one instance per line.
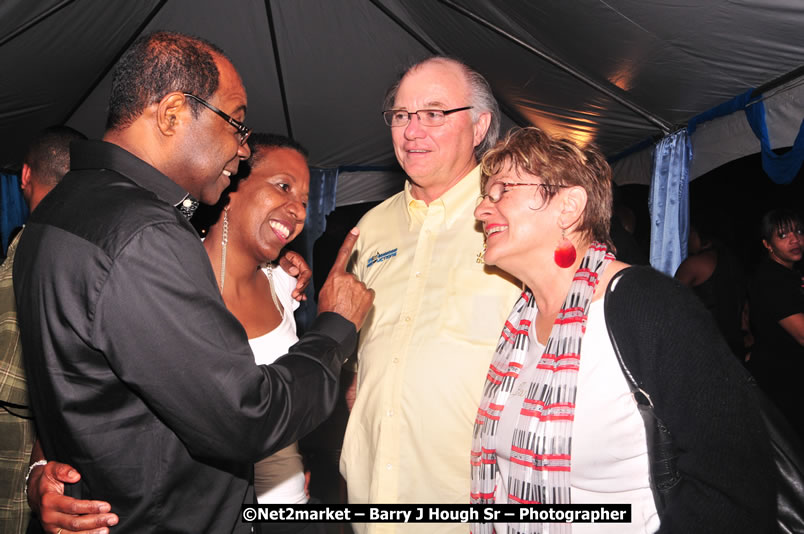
x=338, y=328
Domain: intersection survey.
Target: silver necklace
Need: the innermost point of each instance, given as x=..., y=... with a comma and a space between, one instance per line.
x=269, y=267
x=270, y=274
x=224, y=241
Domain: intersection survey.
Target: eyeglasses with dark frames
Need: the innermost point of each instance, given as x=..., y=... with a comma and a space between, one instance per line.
x=427, y=117
x=243, y=131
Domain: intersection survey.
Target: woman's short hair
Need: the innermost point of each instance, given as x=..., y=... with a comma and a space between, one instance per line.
x=261, y=144
x=778, y=220
x=558, y=161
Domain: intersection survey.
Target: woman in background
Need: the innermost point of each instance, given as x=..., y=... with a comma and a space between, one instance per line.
x=776, y=298
x=715, y=275
x=558, y=422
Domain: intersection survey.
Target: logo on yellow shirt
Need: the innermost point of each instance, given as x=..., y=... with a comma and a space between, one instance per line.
x=378, y=257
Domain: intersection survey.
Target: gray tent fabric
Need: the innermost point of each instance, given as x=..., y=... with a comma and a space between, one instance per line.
x=612, y=72
x=727, y=138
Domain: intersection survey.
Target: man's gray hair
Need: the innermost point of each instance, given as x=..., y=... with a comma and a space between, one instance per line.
x=480, y=96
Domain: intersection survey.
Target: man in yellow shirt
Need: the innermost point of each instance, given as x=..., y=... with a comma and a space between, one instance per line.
x=426, y=345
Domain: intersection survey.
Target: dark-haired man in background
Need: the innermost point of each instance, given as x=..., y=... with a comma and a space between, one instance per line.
x=141, y=378
x=47, y=160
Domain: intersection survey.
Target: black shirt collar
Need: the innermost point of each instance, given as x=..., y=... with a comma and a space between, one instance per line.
x=102, y=155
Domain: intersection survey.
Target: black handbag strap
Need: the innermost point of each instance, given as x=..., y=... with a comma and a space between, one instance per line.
x=662, y=452
x=788, y=452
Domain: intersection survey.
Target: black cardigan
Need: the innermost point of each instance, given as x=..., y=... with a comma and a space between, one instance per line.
x=672, y=347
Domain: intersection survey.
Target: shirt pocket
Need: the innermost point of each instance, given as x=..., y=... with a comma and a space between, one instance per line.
x=475, y=306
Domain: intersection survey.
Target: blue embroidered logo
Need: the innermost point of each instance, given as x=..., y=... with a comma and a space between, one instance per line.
x=378, y=257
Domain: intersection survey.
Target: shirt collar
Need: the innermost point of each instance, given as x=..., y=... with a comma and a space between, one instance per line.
x=102, y=155
x=456, y=201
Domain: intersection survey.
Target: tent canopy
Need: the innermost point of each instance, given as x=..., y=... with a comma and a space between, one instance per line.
x=612, y=72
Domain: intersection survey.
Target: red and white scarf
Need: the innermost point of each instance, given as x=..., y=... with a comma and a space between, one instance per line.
x=541, y=443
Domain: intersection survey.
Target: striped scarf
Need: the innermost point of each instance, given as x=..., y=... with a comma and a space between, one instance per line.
x=541, y=443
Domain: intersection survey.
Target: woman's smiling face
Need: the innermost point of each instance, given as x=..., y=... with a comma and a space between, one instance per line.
x=518, y=224
x=269, y=207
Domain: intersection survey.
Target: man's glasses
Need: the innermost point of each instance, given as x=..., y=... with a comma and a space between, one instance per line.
x=243, y=131
x=427, y=117
x=497, y=189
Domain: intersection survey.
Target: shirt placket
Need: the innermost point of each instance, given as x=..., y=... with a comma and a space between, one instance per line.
x=402, y=337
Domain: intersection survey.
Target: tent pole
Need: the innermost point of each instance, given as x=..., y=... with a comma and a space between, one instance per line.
x=510, y=112
x=137, y=33
x=278, y=63
x=34, y=21
x=778, y=82
x=431, y=47
x=665, y=126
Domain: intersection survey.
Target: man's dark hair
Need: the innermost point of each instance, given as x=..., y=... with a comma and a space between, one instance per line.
x=157, y=64
x=48, y=154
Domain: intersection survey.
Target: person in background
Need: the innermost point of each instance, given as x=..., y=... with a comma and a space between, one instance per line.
x=623, y=228
x=425, y=347
x=47, y=160
x=716, y=276
x=558, y=422
x=776, y=311
x=140, y=377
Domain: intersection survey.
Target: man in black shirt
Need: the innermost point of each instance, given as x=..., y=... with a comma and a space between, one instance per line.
x=139, y=376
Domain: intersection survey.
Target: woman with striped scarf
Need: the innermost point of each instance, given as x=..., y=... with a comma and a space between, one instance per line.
x=558, y=423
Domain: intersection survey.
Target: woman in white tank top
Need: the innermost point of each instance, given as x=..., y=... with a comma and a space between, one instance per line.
x=266, y=211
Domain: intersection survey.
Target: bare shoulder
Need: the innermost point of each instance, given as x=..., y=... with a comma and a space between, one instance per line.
x=697, y=269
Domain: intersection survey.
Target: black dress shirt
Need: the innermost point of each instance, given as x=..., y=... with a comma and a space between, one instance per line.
x=139, y=375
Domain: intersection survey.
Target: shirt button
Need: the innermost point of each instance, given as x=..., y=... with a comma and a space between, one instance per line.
x=407, y=318
x=390, y=413
x=396, y=360
x=388, y=467
x=418, y=274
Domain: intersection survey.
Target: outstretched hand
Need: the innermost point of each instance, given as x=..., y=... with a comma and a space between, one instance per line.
x=342, y=293
x=60, y=514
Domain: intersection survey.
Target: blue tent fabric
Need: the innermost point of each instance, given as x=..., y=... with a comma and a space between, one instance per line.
x=734, y=105
x=782, y=169
x=14, y=211
x=323, y=184
x=669, y=202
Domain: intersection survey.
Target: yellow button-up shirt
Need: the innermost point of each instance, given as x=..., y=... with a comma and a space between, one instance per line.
x=424, y=351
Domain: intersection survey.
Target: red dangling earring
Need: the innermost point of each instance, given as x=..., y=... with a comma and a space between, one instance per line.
x=564, y=255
